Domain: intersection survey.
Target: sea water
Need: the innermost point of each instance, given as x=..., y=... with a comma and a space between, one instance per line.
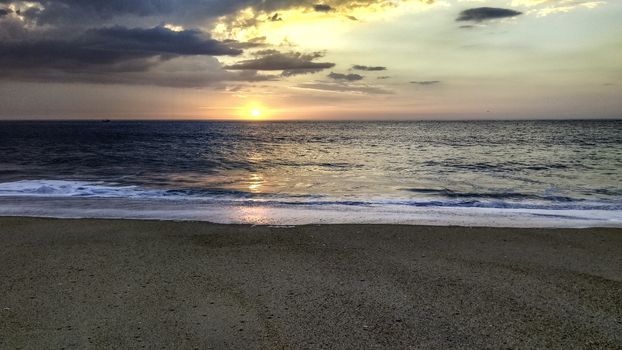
x=487, y=173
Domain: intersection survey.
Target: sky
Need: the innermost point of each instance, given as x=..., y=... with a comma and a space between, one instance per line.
x=302, y=59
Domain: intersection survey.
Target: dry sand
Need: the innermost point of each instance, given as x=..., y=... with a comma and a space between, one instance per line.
x=79, y=284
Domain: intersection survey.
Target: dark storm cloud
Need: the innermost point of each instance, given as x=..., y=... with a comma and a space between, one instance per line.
x=426, y=82
x=322, y=8
x=107, y=46
x=291, y=63
x=118, y=55
x=347, y=77
x=369, y=68
x=158, y=40
x=481, y=14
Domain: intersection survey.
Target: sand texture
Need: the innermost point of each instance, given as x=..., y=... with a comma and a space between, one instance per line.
x=121, y=284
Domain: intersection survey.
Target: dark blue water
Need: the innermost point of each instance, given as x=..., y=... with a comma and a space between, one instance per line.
x=510, y=164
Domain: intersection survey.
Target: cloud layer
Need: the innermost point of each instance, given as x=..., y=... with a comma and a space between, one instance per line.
x=156, y=41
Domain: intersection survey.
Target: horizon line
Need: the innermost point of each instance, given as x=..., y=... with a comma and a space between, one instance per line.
x=298, y=120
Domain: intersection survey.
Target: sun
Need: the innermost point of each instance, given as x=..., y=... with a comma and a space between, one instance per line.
x=255, y=112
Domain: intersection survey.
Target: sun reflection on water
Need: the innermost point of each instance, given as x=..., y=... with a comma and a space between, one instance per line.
x=255, y=182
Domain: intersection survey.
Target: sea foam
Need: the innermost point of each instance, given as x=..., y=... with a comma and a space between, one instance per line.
x=79, y=199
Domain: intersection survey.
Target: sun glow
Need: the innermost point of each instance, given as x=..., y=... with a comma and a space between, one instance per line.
x=255, y=112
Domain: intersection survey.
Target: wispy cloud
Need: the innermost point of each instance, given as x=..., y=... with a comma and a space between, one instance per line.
x=426, y=82
x=347, y=77
x=368, y=68
x=345, y=88
x=481, y=14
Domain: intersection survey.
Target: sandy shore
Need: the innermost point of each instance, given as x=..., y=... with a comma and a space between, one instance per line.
x=80, y=284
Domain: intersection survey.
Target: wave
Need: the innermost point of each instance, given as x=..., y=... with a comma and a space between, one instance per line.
x=63, y=188
x=497, y=195
x=430, y=197
x=98, y=189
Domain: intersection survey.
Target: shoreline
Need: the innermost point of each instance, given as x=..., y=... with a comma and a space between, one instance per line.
x=133, y=283
x=310, y=224
x=260, y=213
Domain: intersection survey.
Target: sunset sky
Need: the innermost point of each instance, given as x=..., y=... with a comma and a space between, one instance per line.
x=297, y=59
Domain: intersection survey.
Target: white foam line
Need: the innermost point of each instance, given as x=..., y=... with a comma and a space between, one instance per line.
x=304, y=215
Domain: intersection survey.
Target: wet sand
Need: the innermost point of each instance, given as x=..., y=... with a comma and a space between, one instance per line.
x=79, y=284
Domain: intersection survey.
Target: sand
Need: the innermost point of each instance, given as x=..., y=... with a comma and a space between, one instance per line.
x=79, y=284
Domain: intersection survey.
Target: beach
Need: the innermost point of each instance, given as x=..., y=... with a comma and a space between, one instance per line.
x=78, y=284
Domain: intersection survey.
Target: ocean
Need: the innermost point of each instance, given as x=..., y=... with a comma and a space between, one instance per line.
x=483, y=173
